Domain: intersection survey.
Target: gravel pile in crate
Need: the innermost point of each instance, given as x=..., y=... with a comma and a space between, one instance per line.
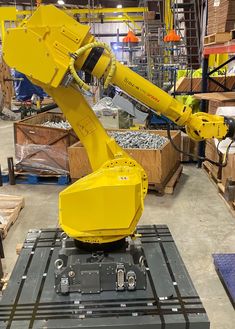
x=138, y=139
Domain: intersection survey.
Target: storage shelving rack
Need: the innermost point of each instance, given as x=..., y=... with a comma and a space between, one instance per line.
x=226, y=48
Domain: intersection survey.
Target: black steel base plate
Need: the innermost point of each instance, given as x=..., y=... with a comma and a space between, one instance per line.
x=169, y=302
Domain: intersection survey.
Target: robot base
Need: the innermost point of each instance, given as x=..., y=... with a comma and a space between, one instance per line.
x=165, y=299
x=92, y=272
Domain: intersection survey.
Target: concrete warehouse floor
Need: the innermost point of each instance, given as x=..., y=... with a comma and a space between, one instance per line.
x=199, y=221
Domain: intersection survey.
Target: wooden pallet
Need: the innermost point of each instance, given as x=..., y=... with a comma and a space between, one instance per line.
x=170, y=185
x=229, y=204
x=217, y=38
x=4, y=281
x=10, y=206
x=26, y=177
x=209, y=173
x=221, y=189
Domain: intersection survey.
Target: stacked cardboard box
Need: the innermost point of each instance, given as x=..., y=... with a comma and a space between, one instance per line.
x=221, y=16
x=211, y=23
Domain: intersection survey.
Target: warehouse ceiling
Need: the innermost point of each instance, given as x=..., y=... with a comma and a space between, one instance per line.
x=103, y=3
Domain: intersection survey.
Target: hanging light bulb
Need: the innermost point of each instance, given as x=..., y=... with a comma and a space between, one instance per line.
x=61, y=2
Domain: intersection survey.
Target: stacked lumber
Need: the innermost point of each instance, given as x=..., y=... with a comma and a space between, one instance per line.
x=221, y=16
x=10, y=206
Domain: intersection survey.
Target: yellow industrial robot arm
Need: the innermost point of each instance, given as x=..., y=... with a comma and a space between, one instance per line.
x=106, y=205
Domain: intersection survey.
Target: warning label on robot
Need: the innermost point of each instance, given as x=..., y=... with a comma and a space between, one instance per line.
x=86, y=126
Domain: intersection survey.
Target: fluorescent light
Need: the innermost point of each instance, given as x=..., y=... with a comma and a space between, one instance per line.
x=119, y=6
x=60, y=2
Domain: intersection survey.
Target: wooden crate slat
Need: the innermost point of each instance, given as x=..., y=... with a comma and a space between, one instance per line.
x=169, y=188
x=5, y=212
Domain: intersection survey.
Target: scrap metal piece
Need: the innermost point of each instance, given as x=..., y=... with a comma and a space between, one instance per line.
x=57, y=124
x=138, y=139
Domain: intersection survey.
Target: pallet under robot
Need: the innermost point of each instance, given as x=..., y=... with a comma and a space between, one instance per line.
x=166, y=298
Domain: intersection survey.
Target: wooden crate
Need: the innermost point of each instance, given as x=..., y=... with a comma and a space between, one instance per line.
x=6, y=85
x=217, y=38
x=189, y=146
x=43, y=148
x=10, y=206
x=159, y=164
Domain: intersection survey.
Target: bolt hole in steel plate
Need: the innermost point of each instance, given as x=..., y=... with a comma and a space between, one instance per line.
x=59, y=263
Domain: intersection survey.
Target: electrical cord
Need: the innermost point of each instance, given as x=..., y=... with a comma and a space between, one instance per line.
x=218, y=164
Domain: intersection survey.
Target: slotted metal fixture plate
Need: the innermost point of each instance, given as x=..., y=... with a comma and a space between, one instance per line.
x=169, y=300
